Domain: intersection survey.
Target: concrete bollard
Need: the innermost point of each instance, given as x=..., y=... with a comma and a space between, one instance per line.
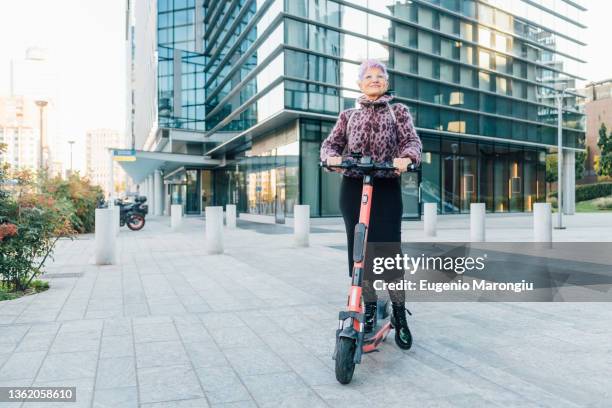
x=477, y=222
x=542, y=222
x=430, y=214
x=301, y=224
x=214, y=230
x=230, y=216
x=176, y=216
x=106, y=236
x=117, y=219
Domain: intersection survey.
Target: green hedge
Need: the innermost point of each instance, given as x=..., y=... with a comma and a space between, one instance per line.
x=590, y=191
x=587, y=192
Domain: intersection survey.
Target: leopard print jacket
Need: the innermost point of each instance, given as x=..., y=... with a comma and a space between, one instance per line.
x=374, y=131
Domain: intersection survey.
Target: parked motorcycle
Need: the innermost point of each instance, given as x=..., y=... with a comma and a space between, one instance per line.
x=131, y=213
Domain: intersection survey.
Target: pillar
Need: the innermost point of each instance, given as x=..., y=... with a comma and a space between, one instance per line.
x=151, y=197
x=542, y=222
x=477, y=222
x=301, y=224
x=176, y=216
x=214, y=229
x=430, y=215
x=569, y=182
x=230, y=216
x=158, y=188
x=105, y=236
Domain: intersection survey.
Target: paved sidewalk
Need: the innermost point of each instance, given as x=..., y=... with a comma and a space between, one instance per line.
x=170, y=326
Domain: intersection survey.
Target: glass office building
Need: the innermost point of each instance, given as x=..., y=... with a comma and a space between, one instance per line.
x=480, y=79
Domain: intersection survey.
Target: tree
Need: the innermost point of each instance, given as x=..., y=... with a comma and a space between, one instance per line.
x=580, y=163
x=604, y=143
x=551, y=166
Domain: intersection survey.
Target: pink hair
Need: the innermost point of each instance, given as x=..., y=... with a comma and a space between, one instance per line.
x=372, y=63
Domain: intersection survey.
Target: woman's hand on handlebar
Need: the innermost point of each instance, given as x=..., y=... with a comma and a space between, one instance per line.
x=334, y=161
x=401, y=164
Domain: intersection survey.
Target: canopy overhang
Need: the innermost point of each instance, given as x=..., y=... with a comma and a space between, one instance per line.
x=147, y=162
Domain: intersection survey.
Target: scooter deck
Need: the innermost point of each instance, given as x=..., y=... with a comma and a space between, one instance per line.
x=372, y=340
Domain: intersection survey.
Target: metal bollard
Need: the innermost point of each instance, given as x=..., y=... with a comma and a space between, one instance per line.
x=105, y=236
x=176, y=216
x=214, y=230
x=477, y=222
x=542, y=222
x=230, y=216
x=430, y=214
x=301, y=224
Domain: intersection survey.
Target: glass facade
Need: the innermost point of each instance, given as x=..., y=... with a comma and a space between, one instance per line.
x=480, y=79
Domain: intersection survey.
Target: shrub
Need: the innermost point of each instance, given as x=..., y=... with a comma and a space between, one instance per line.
x=590, y=191
x=79, y=195
x=587, y=192
x=604, y=203
x=31, y=222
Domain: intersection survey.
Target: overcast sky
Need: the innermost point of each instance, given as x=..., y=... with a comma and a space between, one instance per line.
x=85, y=40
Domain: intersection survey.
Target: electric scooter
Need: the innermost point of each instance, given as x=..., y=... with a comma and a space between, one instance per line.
x=351, y=340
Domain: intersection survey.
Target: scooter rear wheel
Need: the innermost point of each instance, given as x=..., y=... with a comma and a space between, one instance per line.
x=345, y=364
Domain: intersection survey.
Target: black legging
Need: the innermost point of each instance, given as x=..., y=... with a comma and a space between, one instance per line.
x=385, y=223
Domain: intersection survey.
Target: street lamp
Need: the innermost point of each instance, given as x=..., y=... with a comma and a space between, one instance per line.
x=41, y=105
x=71, y=142
x=560, y=96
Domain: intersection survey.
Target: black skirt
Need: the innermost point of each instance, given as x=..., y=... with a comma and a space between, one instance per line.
x=385, y=214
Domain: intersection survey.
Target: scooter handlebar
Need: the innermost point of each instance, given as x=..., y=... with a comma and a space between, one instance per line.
x=366, y=167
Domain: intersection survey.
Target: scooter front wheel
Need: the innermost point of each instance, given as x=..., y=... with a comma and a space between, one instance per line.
x=345, y=364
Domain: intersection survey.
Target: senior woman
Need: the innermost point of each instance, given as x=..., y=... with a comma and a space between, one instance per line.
x=386, y=133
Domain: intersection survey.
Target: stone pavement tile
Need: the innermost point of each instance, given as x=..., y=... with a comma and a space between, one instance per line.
x=192, y=331
x=117, y=327
x=116, y=373
x=217, y=320
x=197, y=307
x=170, y=310
x=205, y=354
x=338, y=395
x=68, y=366
x=190, y=403
x=123, y=397
x=221, y=384
x=136, y=310
x=160, y=353
x=239, y=404
x=169, y=383
x=155, y=332
x=12, y=335
x=255, y=361
x=310, y=369
x=150, y=320
x=36, y=341
x=104, y=314
x=22, y=365
x=76, y=341
x=117, y=346
x=82, y=325
x=6, y=319
x=228, y=337
x=281, y=389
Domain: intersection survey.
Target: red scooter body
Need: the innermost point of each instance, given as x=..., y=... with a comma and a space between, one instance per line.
x=351, y=341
